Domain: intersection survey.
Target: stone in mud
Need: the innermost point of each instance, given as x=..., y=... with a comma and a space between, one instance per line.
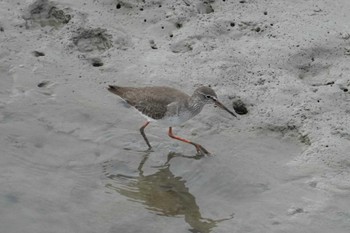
x=239, y=107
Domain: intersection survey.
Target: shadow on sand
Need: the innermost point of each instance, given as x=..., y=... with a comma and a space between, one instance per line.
x=165, y=194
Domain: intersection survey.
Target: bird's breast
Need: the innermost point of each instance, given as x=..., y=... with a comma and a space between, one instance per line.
x=175, y=120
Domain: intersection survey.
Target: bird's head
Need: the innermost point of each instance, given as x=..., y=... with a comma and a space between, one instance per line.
x=208, y=96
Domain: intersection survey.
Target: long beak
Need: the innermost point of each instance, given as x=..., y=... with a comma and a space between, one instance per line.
x=217, y=103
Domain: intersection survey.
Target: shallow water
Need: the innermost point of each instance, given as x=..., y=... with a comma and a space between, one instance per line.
x=204, y=192
x=70, y=181
x=81, y=171
x=162, y=193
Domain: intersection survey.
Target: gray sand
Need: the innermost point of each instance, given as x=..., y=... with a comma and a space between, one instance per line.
x=72, y=158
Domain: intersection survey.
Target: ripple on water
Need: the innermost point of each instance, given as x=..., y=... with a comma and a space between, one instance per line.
x=161, y=192
x=223, y=187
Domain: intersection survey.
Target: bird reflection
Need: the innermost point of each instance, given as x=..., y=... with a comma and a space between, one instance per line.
x=164, y=194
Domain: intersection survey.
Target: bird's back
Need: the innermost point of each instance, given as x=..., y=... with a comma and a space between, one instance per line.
x=150, y=101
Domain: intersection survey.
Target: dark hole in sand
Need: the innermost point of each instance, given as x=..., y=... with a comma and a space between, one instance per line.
x=38, y=54
x=43, y=84
x=239, y=107
x=178, y=25
x=96, y=63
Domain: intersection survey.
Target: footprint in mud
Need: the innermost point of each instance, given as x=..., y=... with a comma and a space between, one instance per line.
x=313, y=64
x=204, y=7
x=92, y=39
x=6, y=81
x=182, y=46
x=253, y=28
x=212, y=30
x=45, y=13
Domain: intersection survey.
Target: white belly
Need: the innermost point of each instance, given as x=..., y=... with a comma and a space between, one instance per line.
x=177, y=120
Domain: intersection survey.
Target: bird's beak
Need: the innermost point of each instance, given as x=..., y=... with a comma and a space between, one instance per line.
x=217, y=103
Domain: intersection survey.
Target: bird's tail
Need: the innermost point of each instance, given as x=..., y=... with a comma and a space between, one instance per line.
x=114, y=89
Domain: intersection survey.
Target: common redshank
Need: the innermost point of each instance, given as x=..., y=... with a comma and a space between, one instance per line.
x=168, y=106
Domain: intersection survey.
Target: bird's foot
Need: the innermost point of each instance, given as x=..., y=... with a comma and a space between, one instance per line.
x=150, y=149
x=201, y=151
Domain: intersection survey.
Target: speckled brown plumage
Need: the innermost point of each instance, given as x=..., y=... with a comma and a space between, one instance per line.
x=150, y=101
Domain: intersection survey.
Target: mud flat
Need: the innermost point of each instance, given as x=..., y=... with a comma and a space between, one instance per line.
x=72, y=159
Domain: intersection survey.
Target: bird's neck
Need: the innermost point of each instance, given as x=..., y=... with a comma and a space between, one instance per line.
x=195, y=104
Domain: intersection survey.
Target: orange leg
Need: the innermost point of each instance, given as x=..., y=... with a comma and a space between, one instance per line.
x=142, y=130
x=200, y=149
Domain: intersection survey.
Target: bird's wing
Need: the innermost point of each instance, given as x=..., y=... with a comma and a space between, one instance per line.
x=150, y=101
x=151, y=108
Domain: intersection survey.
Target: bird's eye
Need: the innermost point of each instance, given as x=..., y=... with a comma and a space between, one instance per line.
x=208, y=96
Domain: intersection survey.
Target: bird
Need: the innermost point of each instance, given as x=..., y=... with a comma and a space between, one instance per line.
x=168, y=106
